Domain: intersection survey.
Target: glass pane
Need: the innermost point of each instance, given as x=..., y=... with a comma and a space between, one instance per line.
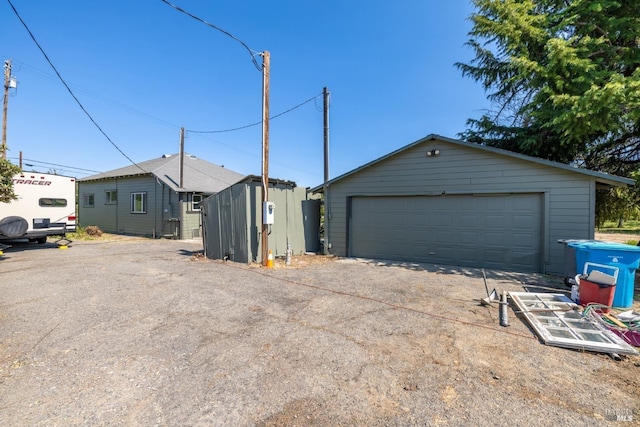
x=593, y=337
x=560, y=333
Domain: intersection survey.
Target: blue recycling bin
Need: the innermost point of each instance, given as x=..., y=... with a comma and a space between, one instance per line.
x=624, y=257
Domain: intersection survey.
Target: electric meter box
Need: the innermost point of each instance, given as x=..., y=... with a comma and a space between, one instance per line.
x=269, y=213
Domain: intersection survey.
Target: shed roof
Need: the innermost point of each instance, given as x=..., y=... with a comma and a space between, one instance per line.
x=274, y=181
x=198, y=175
x=601, y=178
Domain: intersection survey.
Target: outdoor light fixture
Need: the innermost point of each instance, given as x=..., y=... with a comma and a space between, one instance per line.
x=433, y=152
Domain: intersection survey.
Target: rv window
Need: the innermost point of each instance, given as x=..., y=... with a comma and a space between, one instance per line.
x=49, y=203
x=138, y=202
x=88, y=200
x=111, y=197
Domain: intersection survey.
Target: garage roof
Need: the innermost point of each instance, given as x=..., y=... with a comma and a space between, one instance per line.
x=601, y=178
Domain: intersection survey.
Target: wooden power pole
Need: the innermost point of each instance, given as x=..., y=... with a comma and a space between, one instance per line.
x=266, y=65
x=181, y=158
x=325, y=192
x=7, y=84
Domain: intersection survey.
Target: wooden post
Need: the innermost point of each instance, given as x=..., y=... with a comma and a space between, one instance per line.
x=7, y=81
x=266, y=65
x=325, y=191
x=181, y=155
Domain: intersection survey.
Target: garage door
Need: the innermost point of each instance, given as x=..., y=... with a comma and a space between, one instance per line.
x=493, y=231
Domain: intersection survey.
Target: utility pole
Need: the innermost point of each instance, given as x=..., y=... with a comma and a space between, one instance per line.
x=325, y=93
x=266, y=68
x=7, y=84
x=181, y=157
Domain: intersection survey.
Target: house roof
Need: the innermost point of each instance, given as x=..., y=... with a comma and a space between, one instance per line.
x=198, y=176
x=601, y=178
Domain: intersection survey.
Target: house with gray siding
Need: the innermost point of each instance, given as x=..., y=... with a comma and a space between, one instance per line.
x=157, y=198
x=444, y=201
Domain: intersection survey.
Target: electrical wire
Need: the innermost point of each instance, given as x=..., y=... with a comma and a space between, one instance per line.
x=252, y=52
x=55, y=164
x=257, y=123
x=117, y=104
x=68, y=88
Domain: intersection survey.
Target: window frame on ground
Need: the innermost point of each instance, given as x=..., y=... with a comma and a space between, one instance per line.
x=139, y=202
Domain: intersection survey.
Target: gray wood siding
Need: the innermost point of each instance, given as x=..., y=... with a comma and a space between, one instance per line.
x=101, y=214
x=139, y=224
x=117, y=218
x=190, y=221
x=461, y=170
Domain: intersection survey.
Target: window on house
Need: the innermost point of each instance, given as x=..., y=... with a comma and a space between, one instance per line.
x=196, y=199
x=111, y=197
x=88, y=200
x=138, y=202
x=47, y=202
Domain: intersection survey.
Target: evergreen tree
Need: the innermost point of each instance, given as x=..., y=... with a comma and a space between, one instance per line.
x=563, y=77
x=7, y=172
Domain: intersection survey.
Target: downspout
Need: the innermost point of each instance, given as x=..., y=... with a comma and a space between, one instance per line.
x=162, y=216
x=181, y=216
x=155, y=208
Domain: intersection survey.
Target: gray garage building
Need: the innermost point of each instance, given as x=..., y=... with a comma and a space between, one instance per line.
x=445, y=201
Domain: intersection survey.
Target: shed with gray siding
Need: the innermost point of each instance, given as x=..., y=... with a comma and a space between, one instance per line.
x=445, y=201
x=232, y=221
x=150, y=198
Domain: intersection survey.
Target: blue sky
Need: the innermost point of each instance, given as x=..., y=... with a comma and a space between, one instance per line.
x=143, y=70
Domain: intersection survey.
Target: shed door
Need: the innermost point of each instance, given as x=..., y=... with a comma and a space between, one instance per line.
x=493, y=231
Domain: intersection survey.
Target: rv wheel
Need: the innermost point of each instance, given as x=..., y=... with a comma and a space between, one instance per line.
x=41, y=240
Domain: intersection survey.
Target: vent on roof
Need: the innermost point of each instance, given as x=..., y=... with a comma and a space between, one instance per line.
x=191, y=156
x=164, y=156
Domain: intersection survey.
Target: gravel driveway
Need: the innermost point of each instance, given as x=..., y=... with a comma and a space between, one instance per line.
x=146, y=332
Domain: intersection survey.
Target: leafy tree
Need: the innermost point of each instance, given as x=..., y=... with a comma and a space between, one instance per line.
x=618, y=204
x=7, y=172
x=563, y=77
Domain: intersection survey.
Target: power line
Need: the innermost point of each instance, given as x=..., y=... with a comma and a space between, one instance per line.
x=120, y=105
x=55, y=164
x=68, y=88
x=257, y=123
x=252, y=52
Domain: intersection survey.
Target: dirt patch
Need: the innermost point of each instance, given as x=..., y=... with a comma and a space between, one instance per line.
x=617, y=237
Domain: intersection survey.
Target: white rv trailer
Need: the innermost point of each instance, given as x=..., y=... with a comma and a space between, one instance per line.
x=46, y=206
